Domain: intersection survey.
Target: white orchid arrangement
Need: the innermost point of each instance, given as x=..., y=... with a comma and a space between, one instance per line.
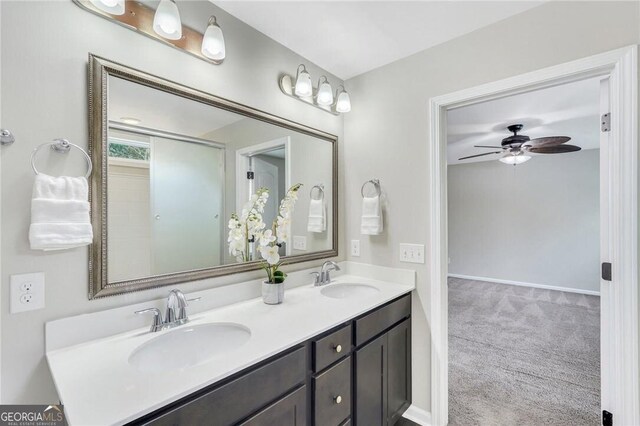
x=249, y=228
x=271, y=240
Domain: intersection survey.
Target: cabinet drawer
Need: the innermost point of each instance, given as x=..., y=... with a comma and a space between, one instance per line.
x=288, y=411
x=378, y=321
x=332, y=395
x=331, y=348
x=239, y=398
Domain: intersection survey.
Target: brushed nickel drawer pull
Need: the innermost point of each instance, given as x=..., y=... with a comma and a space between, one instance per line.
x=337, y=348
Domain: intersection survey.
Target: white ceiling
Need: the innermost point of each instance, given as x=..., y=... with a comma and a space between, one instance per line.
x=163, y=111
x=571, y=109
x=348, y=38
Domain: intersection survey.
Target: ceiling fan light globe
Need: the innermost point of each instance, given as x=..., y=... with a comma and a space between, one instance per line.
x=515, y=159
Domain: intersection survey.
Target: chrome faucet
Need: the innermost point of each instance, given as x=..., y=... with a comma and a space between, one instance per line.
x=175, y=314
x=324, y=277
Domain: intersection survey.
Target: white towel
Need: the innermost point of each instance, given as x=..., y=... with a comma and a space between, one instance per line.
x=371, y=223
x=60, y=213
x=317, y=221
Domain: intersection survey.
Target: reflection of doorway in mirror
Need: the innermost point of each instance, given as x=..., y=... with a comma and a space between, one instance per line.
x=264, y=165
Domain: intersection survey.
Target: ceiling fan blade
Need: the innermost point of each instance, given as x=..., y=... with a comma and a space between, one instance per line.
x=486, y=146
x=557, y=149
x=548, y=141
x=480, y=155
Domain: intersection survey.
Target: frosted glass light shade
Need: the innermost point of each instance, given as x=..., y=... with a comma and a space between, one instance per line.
x=344, y=102
x=166, y=22
x=213, y=41
x=325, y=94
x=515, y=159
x=303, y=84
x=112, y=7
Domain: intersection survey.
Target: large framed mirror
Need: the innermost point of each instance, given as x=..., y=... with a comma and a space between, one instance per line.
x=171, y=165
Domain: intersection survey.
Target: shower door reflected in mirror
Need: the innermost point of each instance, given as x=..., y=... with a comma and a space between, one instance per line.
x=179, y=163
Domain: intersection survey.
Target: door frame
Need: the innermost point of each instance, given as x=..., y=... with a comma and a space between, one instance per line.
x=242, y=163
x=619, y=298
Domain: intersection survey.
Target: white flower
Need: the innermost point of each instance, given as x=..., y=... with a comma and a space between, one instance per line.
x=270, y=254
x=267, y=237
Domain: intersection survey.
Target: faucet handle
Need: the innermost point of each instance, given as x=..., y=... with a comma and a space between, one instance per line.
x=316, y=280
x=157, y=318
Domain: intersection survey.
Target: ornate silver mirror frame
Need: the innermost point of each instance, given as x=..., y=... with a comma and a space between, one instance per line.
x=99, y=71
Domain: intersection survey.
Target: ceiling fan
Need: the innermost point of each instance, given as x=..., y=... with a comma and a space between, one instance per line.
x=516, y=147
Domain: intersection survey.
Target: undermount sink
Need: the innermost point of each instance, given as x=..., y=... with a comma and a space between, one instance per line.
x=188, y=345
x=348, y=290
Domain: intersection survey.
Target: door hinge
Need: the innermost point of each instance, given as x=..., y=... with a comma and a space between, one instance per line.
x=605, y=122
x=606, y=271
x=607, y=418
x=250, y=175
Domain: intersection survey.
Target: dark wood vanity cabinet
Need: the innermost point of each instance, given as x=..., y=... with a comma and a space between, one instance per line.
x=383, y=377
x=357, y=374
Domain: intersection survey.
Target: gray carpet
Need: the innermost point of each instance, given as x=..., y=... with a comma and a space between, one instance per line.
x=522, y=356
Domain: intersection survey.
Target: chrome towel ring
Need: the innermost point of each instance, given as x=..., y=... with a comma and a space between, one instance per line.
x=320, y=188
x=375, y=183
x=61, y=146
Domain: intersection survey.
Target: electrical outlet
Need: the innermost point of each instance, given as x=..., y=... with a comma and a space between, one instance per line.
x=412, y=253
x=27, y=292
x=355, y=248
x=299, y=242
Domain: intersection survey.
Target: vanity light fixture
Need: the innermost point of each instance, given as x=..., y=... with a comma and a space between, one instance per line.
x=325, y=92
x=112, y=7
x=303, y=82
x=161, y=21
x=343, y=101
x=514, y=158
x=302, y=89
x=166, y=21
x=213, y=41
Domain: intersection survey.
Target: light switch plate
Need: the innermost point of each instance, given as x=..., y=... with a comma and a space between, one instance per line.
x=412, y=253
x=355, y=248
x=299, y=242
x=27, y=292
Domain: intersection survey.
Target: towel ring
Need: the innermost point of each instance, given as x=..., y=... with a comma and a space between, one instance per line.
x=61, y=146
x=320, y=188
x=375, y=183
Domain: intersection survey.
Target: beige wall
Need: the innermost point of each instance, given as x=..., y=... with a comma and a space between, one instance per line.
x=44, y=51
x=387, y=131
x=537, y=223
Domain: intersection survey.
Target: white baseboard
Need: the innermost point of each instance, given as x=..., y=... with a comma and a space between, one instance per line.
x=418, y=415
x=523, y=284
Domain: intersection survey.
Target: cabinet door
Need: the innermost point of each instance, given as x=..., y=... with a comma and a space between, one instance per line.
x=371, y=387
x=398, y=370
x=289, y=411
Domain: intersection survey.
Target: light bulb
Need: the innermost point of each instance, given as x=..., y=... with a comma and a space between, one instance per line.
x=514, y=159
x=213, y=41
x=325, y=92
x=303, y=83
x=343, y=104
x=112, y=7
x=166, y=22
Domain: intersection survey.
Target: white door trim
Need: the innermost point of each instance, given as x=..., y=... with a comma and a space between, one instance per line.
x=242, y=163
x=620, y=295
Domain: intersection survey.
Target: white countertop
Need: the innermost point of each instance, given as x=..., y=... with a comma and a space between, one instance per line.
x=98, y=386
